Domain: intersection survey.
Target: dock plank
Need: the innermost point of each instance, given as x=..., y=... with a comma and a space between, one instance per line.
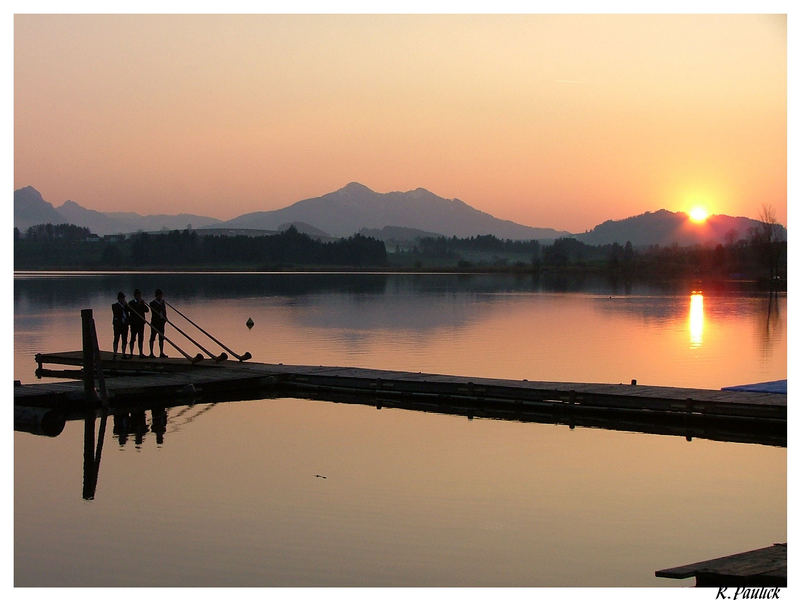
x=719, y=403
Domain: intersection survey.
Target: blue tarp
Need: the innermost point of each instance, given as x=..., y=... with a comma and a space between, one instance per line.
x=769, y=387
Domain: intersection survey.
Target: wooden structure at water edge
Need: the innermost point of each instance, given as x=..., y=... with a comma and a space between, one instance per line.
x=765, y=567
x=730, y=415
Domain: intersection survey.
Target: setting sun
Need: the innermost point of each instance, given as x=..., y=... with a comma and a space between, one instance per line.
x=698, y=214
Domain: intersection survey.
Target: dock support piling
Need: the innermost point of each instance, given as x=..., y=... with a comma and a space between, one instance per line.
x=88, y=354
x=92, y=366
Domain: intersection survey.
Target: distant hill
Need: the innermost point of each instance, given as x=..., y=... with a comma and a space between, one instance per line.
x=397, y=234
x=225, y=231
x=665, y=228
x=309, y=230
x=305, y=228
x=97, y=222
x=355, y=207
x=31, y=209
x=131, y=222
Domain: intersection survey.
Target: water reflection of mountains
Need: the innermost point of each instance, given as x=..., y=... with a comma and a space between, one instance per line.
x=362, y=301
x=73, y=289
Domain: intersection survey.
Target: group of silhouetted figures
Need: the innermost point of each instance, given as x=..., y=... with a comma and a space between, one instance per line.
x=134, y=422
x=131, y=315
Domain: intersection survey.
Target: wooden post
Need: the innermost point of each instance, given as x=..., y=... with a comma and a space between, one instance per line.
x=98, y=366
x=89, y=482
x=88, y=354
x=92, y=363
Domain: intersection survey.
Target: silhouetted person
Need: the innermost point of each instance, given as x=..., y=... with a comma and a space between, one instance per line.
x=157, y=321
x=138, y=308
x=120, y=322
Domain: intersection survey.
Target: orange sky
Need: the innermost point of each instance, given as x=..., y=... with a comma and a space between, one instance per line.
x=549, y=120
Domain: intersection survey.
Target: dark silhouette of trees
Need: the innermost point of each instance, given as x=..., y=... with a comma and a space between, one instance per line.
x=565, y=251
x=288, y=248
x=50, y=245
x=63, y=231
x=112, y=255
x=453, y=249
x=767, y=238
x=762, y=256
x=187, y=248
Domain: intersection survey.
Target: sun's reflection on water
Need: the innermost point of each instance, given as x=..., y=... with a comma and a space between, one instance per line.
x=696, y=319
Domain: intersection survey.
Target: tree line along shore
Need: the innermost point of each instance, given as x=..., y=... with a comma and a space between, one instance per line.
x=759, y=257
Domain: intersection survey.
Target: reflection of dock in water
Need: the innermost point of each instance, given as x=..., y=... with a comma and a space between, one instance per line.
x=130, y=388
x=729, y=415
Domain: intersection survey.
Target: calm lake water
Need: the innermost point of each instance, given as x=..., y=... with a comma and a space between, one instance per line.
x=229, y=493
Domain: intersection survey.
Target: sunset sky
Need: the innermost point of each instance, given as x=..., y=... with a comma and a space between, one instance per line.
x=557, y=121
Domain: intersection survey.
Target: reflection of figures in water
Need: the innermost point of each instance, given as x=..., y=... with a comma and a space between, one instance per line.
x=139, y=426
x=134, y=422
x=159, y=424
x=121, y=426
x=130, y=422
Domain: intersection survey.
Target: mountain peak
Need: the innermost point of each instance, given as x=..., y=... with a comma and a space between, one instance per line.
x=421, y=192
x=28, y=189
x=31, y=209
x=29, y=194
x=354, y=186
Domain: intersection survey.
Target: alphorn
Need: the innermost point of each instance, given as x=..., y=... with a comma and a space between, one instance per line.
x=198, y=357
x=240, y=358
x=219, y=358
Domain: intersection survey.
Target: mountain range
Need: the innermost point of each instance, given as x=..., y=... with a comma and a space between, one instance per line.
x=31, y=209
x=388, y=216
x=356, y=207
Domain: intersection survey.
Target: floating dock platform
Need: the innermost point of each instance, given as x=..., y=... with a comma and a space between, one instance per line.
x=765, y=567
x=746, y=416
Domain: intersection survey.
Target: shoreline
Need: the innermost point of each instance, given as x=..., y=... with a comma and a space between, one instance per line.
x=712, y=280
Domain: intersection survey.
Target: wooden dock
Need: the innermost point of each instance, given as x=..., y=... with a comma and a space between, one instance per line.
x=756, y=568
x=349, y=379
x=153, y=379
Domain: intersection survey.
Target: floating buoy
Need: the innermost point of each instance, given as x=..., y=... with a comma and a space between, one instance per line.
x=250, y=323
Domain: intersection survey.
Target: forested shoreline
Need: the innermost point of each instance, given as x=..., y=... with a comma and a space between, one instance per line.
x=62, y=247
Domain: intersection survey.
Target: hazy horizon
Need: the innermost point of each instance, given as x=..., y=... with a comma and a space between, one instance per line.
x=559, y=121
x=533, y=225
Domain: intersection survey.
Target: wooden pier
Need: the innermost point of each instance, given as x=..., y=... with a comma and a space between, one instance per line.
x=765, y=567
x=108, y=386
x=715, y=414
